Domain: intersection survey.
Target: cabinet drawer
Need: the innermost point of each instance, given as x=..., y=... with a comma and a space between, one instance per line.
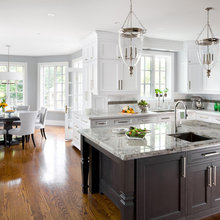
x=147, y=120
x=203, y=118
x=203, y=155
x=123, y=121
x=166, y=118
x=215, y=120
x=100, y=123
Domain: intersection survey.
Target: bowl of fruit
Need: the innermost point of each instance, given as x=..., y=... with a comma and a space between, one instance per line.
x=136, y=133
x=128, y=110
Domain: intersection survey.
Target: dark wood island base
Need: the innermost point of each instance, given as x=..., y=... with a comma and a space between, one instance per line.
x=166, y=187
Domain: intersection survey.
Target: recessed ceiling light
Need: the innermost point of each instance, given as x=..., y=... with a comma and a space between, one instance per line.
x=50, y=14
x=117, y=22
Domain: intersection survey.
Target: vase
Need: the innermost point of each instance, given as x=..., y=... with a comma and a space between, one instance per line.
x=143, y=108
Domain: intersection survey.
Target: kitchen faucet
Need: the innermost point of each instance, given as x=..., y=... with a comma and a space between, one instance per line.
x=186, y=115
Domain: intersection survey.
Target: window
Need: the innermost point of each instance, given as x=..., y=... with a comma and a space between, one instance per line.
x=14, y=91
x=52, y=85
x=77, y=84
x=156, y=70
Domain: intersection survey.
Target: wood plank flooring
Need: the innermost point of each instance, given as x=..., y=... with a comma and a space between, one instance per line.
x=45, y=183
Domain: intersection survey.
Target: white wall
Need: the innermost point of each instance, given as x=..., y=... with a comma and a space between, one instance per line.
x=32, y=77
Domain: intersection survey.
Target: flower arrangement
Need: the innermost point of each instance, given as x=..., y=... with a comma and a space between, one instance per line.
x=3, y=104
x=143, y=106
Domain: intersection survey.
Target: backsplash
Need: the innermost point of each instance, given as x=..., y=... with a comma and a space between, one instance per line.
x=207, y=99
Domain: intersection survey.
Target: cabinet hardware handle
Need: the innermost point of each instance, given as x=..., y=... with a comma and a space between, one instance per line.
x=184, y=167
x=123, y=121
x=214, y=175
x=66, y=108
x=189, y=84
x=121, y=85
x=209, y=176
x=210, y=154
x=165, y=118
x=101, y=123
x=118, y=84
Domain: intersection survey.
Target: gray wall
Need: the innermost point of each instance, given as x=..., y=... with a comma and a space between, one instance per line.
x=32, y=77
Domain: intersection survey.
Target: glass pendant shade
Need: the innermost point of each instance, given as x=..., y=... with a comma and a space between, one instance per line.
x=131, y=37
x=207, y=47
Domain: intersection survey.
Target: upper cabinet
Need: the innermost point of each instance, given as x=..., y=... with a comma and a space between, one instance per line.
x=190, y=75
x=104, y=71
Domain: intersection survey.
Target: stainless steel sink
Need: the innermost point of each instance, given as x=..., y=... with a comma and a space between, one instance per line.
x=164, y=110
x=190, y=136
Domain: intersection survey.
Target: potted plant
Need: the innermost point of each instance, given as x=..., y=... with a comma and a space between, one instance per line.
x=143, y=106
x=165, y=91
x=158, y=92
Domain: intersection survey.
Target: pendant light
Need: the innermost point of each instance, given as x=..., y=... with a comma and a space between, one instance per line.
x=131, y=37
x=207, y=47
x=10, y=75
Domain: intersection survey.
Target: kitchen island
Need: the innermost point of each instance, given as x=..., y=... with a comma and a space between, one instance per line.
x=160, y=177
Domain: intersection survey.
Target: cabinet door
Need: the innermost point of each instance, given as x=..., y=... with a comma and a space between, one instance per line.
x=108, y=50
x=195, y=74
x=109, y=72
x=129, y=83
x=216, y=184
x=161, y=187
x=198, y=188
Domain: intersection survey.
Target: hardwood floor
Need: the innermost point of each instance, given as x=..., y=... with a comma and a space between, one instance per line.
x=45, y=183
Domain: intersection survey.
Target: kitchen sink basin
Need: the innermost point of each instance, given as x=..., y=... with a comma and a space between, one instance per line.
x=165, y=110
x=190, y=136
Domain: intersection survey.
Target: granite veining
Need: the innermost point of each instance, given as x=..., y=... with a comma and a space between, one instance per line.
x=157, y=142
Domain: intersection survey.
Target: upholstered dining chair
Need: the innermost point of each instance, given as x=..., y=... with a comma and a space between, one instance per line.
x=27, y=127
x=41, y=124
x=22, y=107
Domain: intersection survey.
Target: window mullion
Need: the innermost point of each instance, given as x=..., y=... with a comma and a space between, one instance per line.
x=55, y=87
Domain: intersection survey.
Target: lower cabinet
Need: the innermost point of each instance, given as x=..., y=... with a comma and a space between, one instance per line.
x=203, y=181
x=198, y=189
x=161, y=187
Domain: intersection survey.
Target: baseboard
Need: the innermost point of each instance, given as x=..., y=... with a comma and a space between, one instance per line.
x=55, y=122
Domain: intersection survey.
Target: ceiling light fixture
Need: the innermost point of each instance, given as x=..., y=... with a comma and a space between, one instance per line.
x=208, y=47
x=50, y=14
x=131, y=37
x=10, y=75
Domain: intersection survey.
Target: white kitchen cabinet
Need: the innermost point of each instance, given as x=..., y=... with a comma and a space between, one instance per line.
x=108, y=49
x=109, y=76
x=105, y=72
x=190, y=72
x=195, y=77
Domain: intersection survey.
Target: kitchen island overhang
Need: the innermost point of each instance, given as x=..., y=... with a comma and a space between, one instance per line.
x=118, y=167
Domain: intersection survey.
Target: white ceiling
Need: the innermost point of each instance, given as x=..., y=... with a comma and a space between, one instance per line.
x=26, y=26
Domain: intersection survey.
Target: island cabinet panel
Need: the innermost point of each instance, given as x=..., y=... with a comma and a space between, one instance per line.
x=161, y=187
x=216, y=184
x=198, y=188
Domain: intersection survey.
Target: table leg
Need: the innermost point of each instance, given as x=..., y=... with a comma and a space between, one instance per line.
x=84, y=165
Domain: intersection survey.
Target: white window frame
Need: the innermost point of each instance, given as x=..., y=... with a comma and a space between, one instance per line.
x=169, y=78
x=39, y=80
x=25, y=78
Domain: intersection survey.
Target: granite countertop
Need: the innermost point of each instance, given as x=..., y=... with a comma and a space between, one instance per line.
x=110, y=115
x=157, y=142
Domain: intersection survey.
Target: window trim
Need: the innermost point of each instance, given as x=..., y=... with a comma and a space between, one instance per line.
x=25, y=93
x=65, y=63
x=172, y=68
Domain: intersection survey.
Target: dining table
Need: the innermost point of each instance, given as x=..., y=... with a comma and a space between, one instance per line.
x=8, y=119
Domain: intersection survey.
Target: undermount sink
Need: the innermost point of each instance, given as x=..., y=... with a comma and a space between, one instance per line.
x=164, y=110
x=190, y=136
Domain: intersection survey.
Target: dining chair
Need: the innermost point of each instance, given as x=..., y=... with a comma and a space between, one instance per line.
x=42, y=121
x=22, y=107
x=27, y=127
x=3, y=132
